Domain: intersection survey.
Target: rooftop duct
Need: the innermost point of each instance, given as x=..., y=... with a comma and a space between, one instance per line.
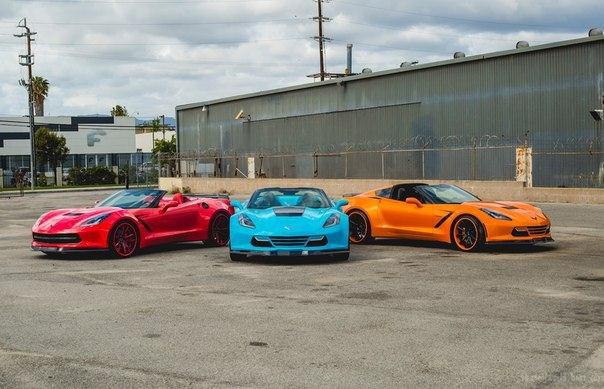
x=459, y=54
x=595, y=32
x=522, y=45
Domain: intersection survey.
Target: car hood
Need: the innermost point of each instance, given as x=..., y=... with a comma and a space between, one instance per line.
x=67, y=219
x=289, y=221
x=515, y=210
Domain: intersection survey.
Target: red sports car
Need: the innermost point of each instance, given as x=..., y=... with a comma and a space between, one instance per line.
x=133, y=219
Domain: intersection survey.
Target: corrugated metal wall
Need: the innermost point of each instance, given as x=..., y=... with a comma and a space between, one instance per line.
x=539, y=97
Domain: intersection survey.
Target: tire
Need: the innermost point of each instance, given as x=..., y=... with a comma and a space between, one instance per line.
x=218, y=235
x=467, y=233
x=360, y=227
x=123, y=239
x=237, y=257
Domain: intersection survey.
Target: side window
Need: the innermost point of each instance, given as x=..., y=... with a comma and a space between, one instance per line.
x=384, y=192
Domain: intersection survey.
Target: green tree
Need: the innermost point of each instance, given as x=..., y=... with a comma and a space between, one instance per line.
x=155, y=127
x=164, y=152
x=50, y=148
x=40, y=88
x=119, y=110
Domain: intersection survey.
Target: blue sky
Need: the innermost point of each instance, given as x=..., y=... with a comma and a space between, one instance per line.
x=151, y=55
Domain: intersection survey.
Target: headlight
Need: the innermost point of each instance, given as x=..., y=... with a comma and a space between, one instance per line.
x=332, y=221
x=96, y=220
x=245, y=221
x=495, y=215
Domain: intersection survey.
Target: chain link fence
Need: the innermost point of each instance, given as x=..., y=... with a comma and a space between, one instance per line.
x=572, y=162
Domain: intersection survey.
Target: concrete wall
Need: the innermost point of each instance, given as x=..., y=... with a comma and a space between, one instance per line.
x=487, y=190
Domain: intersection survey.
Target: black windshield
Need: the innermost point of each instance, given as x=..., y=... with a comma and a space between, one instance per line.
x=297, y=197
x=443, y=194
x=133, y=199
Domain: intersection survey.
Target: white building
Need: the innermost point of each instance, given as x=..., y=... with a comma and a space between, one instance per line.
x=92, y=140
x=145, y=138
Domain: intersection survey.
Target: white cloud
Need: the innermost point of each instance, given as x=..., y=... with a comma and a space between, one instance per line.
x=265, y=45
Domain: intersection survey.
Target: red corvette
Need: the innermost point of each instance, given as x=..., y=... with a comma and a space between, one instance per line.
x=133, y=219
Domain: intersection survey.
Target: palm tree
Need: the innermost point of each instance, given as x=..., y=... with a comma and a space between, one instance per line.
x=40, y=92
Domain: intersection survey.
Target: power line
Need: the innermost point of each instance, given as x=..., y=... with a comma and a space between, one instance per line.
x=395, y=47
x=159, y=44
x=141, y=2
x=167, y=23
x=167, y=60
x=413, y=13
x=394, y=28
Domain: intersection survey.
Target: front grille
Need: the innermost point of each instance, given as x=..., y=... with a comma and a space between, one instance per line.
x=289, y=240
x=56, y=238
x=540, y=230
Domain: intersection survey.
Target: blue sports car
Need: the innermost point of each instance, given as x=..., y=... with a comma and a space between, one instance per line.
x=289, y=222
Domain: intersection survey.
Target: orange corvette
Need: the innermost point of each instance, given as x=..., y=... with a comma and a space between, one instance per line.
x=443, y=213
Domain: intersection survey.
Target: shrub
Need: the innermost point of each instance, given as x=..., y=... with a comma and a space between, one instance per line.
x=99, y=175
x=41, y=180
x=186, y=189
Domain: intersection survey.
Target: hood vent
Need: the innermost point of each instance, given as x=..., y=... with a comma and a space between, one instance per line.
x=74, y=214
x=289, y=211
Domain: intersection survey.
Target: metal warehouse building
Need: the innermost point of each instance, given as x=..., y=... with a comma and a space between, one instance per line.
x=463, y=118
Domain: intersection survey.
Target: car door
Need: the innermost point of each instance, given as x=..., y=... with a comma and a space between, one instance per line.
x=181, y=220
x=412, y=221
x=165, y=225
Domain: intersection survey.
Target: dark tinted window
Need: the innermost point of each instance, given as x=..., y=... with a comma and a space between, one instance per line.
x=386, y=192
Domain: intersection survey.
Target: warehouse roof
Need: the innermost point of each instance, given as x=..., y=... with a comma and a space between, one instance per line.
x=479, y=57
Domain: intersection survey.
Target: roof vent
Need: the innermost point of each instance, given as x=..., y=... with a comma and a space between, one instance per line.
x=595, y=32
x=522, y=45
x=367, y=71
x=407, y=64
x=459, y=54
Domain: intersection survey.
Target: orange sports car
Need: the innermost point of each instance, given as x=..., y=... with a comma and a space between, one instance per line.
x=443, y=213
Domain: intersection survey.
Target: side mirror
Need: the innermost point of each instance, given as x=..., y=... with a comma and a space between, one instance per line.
x=414, y=201
x=169, y=205
x=341, y=203
x=237, y=205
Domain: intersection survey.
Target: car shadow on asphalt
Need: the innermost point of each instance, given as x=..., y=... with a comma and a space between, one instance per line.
x=490, y=248
x=293, y=260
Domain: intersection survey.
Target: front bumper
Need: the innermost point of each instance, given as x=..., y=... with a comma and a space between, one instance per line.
x=529, y=241
x=256, y=242
x=88, y=239
x=65, y=250
x=517, y=232
x=291, y=253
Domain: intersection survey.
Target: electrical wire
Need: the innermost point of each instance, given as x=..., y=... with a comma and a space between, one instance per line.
x=454, y=18
x=194, y=2
x=155, y=44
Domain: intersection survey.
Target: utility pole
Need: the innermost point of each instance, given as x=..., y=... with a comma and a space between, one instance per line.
x=320, y=38
x=163, y=126
x=28, y=60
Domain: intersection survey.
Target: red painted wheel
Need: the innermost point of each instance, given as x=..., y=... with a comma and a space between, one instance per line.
x=219, y=230
x=123, y=239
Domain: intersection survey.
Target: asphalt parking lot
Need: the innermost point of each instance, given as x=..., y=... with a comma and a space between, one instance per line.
x=397, y=314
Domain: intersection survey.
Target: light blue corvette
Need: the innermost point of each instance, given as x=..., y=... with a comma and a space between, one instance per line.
x=289, y=222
